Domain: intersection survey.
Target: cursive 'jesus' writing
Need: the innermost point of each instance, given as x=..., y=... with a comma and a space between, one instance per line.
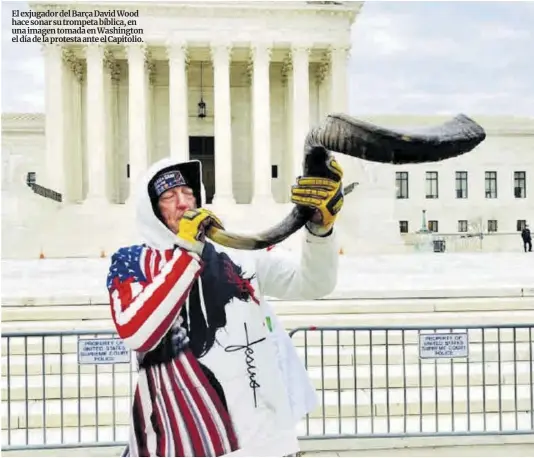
x=249, y=360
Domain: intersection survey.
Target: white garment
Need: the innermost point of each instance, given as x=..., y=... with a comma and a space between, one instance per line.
x=275, y=273
x=300, y=390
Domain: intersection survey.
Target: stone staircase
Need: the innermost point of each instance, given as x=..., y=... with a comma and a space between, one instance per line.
x=369, y=381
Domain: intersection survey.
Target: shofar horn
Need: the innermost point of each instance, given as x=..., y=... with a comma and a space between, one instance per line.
x=346, y=135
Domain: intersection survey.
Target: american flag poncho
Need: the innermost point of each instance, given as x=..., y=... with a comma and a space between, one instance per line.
x=217, y=375
x=176, y=411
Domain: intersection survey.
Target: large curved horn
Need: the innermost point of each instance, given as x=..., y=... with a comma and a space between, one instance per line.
x=276, y=234
x=346, y=135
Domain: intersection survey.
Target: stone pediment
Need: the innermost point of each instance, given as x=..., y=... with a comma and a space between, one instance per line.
x=279, y=24
x=242, y=9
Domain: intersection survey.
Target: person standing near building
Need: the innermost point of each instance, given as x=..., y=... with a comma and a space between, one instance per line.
x=527, y=238
x=213, y=377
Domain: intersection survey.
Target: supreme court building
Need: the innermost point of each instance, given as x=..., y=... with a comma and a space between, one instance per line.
x=211, y=81
x=236, y=85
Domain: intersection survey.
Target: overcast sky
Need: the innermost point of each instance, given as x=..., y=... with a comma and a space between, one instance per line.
x=407, y=57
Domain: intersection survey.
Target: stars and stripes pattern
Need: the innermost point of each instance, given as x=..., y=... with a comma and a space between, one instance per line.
x=176, y=411
x=147, y=290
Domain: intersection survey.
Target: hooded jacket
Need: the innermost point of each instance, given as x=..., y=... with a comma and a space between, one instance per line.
x=214, y=305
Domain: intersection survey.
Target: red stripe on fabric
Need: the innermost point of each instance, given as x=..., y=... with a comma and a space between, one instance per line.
x=157, y=297
x=161, y=438
x=223, y=413
x=139, y=418
x=206, y=412
x=186, y=411
x=157, y=263
x=173, y=421
x=165, y=325
x=169, y=254
x=165, y=440
x=148, y=270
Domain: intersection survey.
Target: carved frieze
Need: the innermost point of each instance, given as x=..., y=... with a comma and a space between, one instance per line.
x=178, y=51
x=221, y=52
x=111, y=64
x=150, y=66
x=73, y=63
x=287, y=68
x=323, y=68
x=249, y=69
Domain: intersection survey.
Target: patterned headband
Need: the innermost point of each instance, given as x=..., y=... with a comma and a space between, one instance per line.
x=168, y=180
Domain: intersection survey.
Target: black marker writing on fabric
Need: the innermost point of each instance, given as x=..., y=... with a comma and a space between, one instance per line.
x=249, y=360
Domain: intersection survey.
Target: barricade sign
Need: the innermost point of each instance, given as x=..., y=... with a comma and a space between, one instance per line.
x=103, y=351
x=444, y=345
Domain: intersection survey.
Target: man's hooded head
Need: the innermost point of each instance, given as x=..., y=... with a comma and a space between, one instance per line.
x=187, y=174
x=162, y=176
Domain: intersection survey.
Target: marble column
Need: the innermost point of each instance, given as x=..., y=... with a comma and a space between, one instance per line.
x=74, y=141
x=287, y=164
x=261, y=129
x=301, y=105
x=339, y=102
x=221, y=56
x=95, y=123
x=178, y=105
x=137, y=114
x=115, y=173
x=366, y=223
x=323, y=81
x=338, y=83
x=55, y=119
x=150, y=80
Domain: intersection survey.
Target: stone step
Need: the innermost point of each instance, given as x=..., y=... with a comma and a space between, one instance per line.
x=311, y=357
x=67, y=435
x=99, y=295
x=120, y=383
x=347, y=355
x=310, y=426
x=452, y=319
x=308, y=336
x=416, y=423
x=13, y=311
x=66, y=344
x=345, y=403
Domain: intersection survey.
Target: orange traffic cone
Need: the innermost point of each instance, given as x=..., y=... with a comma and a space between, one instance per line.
x=102, y=254
x=41, y=255
x=341, y=251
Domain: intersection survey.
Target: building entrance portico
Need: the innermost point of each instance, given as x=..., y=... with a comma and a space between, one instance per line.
x=109, y=106
x=266, y=71
x=203, y=149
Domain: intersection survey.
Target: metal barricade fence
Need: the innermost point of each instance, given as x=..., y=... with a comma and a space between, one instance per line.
x=62, y=390
x=74, y=388
x=409, y=381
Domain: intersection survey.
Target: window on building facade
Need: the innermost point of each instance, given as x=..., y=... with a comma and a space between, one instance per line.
x=520, y=225
x=401, y=183
x=403, y=226
x=433, y=226
x=492, y=225
x=461, y=185
x=520, y=185
x=462, y=225
x=431, y=185
x=491, y=185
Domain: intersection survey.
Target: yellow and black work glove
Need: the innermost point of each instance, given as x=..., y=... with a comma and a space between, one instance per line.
x=323, y=195
x=193, y=225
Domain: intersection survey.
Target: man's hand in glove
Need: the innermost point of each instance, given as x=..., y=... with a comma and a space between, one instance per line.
x=193, y=225
x=323, y=195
